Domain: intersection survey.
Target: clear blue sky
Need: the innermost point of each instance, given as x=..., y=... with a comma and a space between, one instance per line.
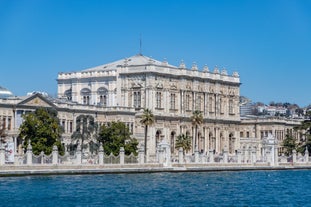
x=268, y=41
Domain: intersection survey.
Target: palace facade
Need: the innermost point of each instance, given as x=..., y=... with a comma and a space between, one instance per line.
x=119, y=91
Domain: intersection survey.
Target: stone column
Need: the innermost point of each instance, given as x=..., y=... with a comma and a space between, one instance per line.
x=2, y=155
x=101, y=154
x=180, y=155
x=254, y=158
x=294, y=156
x=29, y=154
x=239, y=154
x=78, y=155
x=122, y=156
x=276, y=156
x=196, y=155
x=141, y=155
x=160, y=155
x=217, y=140
x=42, y=157
x=225, y=157
x=55, y=155
x=211, y=156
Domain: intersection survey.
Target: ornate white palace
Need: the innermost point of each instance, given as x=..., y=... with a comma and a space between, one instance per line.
x=172, y=93
x=120, y=90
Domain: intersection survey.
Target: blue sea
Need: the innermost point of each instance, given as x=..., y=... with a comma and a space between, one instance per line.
x=246, y=188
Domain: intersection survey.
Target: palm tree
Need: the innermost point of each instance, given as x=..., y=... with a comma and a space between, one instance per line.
x=147, y=119
x=183, y=141
x=85, y=127
x=197, y=119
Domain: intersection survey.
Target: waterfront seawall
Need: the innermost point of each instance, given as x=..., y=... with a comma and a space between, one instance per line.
x=11, y=170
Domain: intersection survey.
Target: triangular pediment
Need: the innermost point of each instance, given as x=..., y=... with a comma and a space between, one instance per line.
x=37, y=100
x=159, y=86
x=136, y=85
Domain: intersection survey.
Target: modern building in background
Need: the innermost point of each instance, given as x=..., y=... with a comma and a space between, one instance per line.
x=119, y=91
x=246, y=106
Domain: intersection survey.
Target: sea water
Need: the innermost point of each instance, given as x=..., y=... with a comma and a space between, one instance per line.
x=243, y=188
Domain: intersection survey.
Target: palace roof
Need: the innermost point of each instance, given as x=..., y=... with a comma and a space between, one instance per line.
x=136, y=60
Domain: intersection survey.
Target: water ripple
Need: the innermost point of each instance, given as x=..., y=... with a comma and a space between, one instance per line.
x=252, y=188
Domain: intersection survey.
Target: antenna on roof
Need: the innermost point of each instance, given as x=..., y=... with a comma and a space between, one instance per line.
x=140, y=44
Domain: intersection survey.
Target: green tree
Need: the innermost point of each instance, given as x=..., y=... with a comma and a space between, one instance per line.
x=183, y=141
x=196, y=119
x=115, y=136
x=289, y=143
x=2, y=133
x=147, y=119
x=305, y=129
x=86, y=128
x=43, y=130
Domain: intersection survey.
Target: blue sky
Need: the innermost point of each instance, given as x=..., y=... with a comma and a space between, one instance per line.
x=268, y=42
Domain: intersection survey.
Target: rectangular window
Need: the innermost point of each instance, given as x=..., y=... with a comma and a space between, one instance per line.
x=158, y=99
x=86, y=100
x=187, y=102
x=137, y=99
x=231, y=111
x=173, y=100
x=210, y=105
x=70, y=126
x=103, y=100
x=4, y=123
x=63, y=124
x=221, y=106
x=9, y=123
x=198, y=103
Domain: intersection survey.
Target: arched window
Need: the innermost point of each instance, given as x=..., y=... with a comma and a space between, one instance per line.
x=68, y=94
x=103, y=96
x=86, y=96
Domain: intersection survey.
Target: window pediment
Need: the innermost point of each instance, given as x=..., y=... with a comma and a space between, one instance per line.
x=85, y=91
x=159, y=86
x=173, y=86
x=136, y=85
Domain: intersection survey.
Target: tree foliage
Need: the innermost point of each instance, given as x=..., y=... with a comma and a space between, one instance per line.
x=115, y=136
x=2, y=132
x=85, y=129
x=196, y=119
x=305, y=128
x=289, y=143
x=183, y=141
x=43, y=130
x=147, y=119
